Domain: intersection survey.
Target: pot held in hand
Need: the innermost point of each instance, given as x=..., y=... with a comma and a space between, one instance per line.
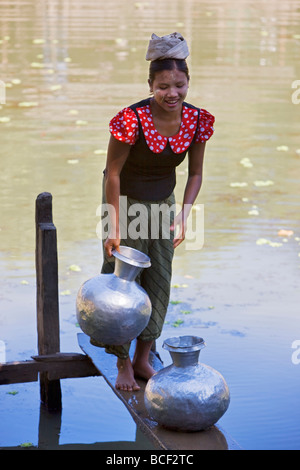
x=112, y=308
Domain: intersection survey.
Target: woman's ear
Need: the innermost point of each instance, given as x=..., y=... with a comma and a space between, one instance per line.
x=150, y=86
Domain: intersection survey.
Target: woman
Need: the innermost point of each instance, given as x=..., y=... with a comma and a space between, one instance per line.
x=148, y=140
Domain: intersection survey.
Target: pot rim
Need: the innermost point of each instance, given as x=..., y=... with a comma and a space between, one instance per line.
x=132, y=256
x=184, y=344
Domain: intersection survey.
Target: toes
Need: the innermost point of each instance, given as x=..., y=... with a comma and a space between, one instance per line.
x=127, y=387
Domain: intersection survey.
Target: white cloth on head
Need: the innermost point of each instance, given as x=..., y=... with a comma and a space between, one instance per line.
x=171, y=46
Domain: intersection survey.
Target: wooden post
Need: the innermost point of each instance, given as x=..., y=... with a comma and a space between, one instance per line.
x=47, y=296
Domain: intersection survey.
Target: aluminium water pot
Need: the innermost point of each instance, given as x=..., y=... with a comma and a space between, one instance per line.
x=187, y=395
x=112, y=308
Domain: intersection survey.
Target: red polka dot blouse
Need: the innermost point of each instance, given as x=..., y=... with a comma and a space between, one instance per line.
x=124, y=127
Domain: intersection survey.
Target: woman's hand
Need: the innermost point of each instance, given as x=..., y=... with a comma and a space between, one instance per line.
x=179, y=228
x=111, y=244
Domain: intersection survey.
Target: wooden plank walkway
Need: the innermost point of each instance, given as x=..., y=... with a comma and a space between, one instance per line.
x=212, y=439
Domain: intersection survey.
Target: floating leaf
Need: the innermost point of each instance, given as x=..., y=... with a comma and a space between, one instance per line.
x=298, y=151
x=263, y=183
x=74, y=267
x=73, y=161
x=282, y=148
x=37, y=65
x=238, y=184
x=80, y=122
x=55, y=87
x=100, y=152
x=253, y=212
x=16, y=81
x=175, y=302
x=211, y=307
x=246, y=162
x=177, y=323
x=262, y=241
x=26, y=444
x=25, y=283
x=121, y=42
x=65, y=292
x=13, y=392
x=38, y=41
x=28, y=104
x=4, y=119
x=185, y=312
x=73, y=112
x=67, y=59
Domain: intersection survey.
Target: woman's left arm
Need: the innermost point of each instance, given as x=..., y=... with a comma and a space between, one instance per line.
x=192, y=188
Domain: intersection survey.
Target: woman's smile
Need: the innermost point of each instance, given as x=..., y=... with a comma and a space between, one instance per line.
x=169, y=89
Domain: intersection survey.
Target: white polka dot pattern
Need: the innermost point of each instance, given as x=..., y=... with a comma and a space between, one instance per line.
x=124, y=127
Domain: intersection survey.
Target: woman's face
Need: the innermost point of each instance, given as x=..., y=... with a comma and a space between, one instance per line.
x=169, y=89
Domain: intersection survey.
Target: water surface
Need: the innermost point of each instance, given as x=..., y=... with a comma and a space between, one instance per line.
x=68, y=68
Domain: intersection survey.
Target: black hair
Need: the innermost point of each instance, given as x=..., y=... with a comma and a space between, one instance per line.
x=167, y=64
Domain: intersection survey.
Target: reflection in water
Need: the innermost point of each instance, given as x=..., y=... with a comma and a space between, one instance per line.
x=68, y=68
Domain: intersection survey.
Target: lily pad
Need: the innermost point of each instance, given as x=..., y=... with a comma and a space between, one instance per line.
x=28, y=104
x=81, y=122
x=26, y=444
x=177, y=323
x=263, y=183
x=74, y=267
x=237, y=184
x=282, y=148
x=66, y=292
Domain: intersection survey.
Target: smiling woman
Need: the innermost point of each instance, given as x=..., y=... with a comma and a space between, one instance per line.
x=149, y=139
x=168, y=82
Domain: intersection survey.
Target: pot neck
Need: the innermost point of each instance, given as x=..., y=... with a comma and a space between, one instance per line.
x=184, y=359
x=126, y=271
x=184, y=350
x=129, y=262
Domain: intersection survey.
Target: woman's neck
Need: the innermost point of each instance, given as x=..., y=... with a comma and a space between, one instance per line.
x=166, y=123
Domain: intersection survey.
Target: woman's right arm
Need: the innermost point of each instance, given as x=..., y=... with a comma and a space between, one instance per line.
x=116, y=156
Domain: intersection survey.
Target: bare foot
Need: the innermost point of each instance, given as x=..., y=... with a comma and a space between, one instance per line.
x=125, y=379
x=140, y=363
x=143, y=369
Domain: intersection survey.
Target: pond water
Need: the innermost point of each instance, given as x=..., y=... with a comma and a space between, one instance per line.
x=68, y=67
